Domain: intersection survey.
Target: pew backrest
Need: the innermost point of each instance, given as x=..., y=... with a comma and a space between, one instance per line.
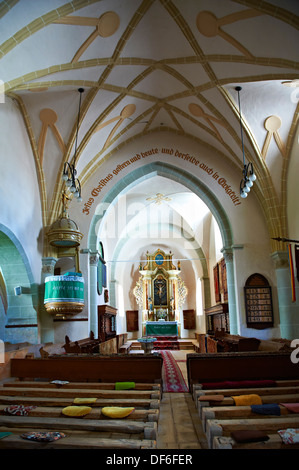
x=135, y=368
x=240, y=366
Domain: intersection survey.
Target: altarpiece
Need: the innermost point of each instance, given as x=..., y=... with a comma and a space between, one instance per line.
x=160, y=292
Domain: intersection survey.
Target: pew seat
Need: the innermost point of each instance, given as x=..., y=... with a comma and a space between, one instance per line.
x=76, y=441
x=229, y=401
x=92, y=368
x=94, y=430
x=224, y=427
x=257, y=365
x=261, y=391
x=232, y=412
x=274, y=442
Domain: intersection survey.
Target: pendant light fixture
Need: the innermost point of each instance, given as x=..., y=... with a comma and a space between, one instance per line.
x=69, y=170
x=248, y=173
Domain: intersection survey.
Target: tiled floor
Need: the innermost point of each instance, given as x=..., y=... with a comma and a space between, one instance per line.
x=179, y=425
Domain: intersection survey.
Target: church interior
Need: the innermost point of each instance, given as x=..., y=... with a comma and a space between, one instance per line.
x=149, y=224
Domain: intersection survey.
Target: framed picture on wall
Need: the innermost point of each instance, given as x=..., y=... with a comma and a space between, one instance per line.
x=258, y=302
x=217, y=283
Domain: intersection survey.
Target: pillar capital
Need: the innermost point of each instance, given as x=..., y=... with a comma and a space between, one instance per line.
x=280, y=259
x=93, y=259
x=48, y=265
x=227, y=254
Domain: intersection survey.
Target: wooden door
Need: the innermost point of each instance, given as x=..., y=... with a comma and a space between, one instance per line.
x=132, y=320
x=189, y=319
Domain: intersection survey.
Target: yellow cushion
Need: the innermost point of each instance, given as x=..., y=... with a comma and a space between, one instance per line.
x=76, y=410
x=245, y=400
x=117, y=411
x=84, y=401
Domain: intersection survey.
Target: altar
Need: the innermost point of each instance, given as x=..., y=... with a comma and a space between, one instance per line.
x=160, y=293
x=161, y=328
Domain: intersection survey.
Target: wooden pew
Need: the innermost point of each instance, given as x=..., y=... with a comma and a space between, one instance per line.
x=201, y=340
x=125, y=348
x=43, y=394
x=78, y=393
x=85, y=345
x=146, y=403
x=94, y=430
x=79, y=385
x=72, y=440
x=93, y=368
x=233, y=412
x=256, y=365
x=120, y=426
x=229, y=401
x=274, y=442
x=55, y=412
x=261, y=391
x=224, y=427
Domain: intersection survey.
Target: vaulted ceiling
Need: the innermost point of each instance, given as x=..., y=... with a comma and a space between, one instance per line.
x=149, y=66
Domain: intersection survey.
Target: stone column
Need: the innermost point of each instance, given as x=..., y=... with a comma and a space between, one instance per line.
x=206, y=291
x=233, y=316
x=288, y=310
x=45, y=318
x=93, y=293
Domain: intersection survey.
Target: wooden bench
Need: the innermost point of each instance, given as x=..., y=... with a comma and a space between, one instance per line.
x=229, y=401
x=79, y=385
x=125, y=348
x=86, y=345
x=222, y=341
x=77, y=442
x=94, y=430
x=224, y=427
x=256, y=365
x=232, y=412
x=92, y=368
x=283, y=390
x=274, y=442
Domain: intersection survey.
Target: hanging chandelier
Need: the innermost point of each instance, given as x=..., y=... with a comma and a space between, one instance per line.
x=248, y=173
x=69, y=169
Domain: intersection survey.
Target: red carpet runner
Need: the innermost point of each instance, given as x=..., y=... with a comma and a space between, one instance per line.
x=166, y=342
x=173, y=380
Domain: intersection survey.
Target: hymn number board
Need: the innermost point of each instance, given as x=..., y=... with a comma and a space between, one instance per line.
x=259, y=309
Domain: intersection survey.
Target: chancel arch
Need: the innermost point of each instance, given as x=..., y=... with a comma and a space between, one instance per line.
x=121, y=250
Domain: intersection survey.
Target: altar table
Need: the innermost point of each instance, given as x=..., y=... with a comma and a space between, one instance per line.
x=163, y=328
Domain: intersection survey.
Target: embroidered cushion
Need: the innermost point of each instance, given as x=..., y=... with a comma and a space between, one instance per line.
x=117, y=411
x=289, y=435
x=43, y=436
x=18, y=410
